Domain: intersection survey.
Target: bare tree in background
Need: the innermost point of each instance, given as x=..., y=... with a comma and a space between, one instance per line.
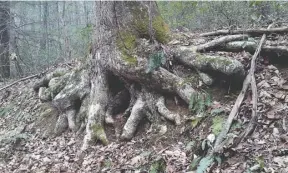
x=4, y=39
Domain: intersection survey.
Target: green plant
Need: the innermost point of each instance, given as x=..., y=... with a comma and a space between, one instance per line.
x=199, y=102
x=217, y=124
x=4, y=111
x=158, y=166
x=155, y=61
x=204, y=164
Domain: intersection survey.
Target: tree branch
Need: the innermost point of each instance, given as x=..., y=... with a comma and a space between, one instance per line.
x=219, y=141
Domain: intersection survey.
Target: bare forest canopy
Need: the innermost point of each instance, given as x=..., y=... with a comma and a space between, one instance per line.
x=44, y=33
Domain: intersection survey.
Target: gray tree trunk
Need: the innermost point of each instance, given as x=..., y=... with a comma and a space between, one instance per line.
x=4, y=39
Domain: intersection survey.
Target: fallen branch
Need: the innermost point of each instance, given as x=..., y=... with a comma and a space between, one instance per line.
x=219, y=41
x=22, y=79
x=250, y=46
x=219, y=144
x=253, y=32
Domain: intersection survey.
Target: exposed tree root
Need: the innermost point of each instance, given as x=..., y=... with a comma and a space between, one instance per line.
x=254, y=32
x=250, y=46
x=117, y=105
x=134, y=119
x=214, y=43
x=210, y=64
x=165, y=112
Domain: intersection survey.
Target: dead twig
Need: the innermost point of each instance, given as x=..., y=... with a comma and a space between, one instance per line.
x=250, y=79
x=23, y=79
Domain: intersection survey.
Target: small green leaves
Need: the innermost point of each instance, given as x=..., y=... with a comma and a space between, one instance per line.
x=217, y=124
x=158, y=166
x=194, y=163
x=4, y=111
x=204, y=164
x=155, y=61
x=199, y=102
x=217, y=111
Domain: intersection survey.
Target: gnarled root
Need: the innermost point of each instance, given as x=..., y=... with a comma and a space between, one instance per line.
x=137, y=114
x=96, y=113
x=117, y=105
x=165, y=112
x=66, y=91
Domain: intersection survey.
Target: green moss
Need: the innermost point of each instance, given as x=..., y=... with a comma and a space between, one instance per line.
x=47, y=110
x=141, y=24
x=191, y=80
x=59, y=73
x=213, y=60
x=126, y=42
x=158, y=166
x=217, y=124
x=99, y=133
x=161, y=30
x=129, y=58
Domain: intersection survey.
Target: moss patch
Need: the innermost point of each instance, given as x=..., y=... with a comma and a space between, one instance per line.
x=213, y=60
x=161, y=30
x=141, y=24
x=99, y=133
x=126, y=42
x=47, y=110
x=158, y=166
x=217, y=124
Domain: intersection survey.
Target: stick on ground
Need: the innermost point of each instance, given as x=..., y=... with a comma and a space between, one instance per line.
x=219, y=41
x=219, y=141
x=22, y=79
x=253, y=32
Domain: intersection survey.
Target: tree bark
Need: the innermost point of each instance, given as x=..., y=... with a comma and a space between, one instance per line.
x=4, y=39
x=43, y=43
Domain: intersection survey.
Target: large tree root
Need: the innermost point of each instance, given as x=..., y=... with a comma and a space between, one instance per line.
x=134, y=119
x=165, y=112
x=254, y=32
x=251, y=46
x=66, y=91
x=78, y=110
x=210, y=64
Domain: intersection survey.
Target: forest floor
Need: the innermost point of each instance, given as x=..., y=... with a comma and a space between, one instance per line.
x=24, y=149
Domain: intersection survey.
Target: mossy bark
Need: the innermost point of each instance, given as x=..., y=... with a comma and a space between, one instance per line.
x=210, y=64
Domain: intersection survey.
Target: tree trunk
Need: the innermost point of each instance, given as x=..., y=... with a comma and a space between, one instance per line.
x=86, y=12
x=4, y=39
x=121, y=48
x=43, y=43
